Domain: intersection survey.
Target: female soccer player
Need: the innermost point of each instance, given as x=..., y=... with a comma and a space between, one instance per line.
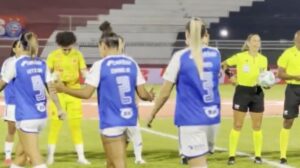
x=9, y=114
x=116, y=77
x=69, y=64
x=248, y=95
x=195, y=72
x=133, y=133
x=29, y=74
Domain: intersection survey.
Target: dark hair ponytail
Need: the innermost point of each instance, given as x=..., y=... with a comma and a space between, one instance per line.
x=108, y=37
x=27, y=43
x=13, y=46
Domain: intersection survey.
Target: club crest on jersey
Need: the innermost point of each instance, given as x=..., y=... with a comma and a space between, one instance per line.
x=212, y=111
x=126, y=113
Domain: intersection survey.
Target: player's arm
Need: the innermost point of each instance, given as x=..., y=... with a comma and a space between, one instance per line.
x=82, y=66
x=164, y=95
x=282, y=65
x=53, y=95
x=170, y=78
x=92, y=82
x=84, y=93
x=283, y=75
x=144, y=94
x=2, y=84
x=140, y=87
x=8, y=73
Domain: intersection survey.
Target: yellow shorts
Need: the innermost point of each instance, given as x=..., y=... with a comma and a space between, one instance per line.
x=71, y=105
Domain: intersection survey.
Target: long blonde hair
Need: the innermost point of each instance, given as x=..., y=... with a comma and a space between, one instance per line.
x=245, y=46
x=194, y=28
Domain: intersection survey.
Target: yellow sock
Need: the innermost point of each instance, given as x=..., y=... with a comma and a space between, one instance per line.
x=233, y=141
x=257, y=141
x=284, y=140
x=54, y=128
x=75, y=127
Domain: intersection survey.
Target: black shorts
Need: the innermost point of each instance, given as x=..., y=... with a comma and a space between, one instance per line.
x=291, y=101
x=248, y=99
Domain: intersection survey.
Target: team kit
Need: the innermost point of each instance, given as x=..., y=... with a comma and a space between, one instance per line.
x=27, y=80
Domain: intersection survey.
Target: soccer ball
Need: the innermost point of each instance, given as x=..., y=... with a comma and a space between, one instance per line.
x=266, y=79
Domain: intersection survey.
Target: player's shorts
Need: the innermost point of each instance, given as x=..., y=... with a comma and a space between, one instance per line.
x=248, y=99
x=291, y=101
x=31, y=126
x=9, y=113
x=193, y=141
x=134, y=133
x=71, y=105
x=115, y=131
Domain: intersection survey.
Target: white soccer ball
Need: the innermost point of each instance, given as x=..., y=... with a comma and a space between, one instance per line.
x=266, y=79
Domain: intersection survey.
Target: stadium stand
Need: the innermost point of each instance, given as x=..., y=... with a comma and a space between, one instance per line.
x=151, y=27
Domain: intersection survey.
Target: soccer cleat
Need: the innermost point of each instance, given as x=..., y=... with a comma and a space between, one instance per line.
x=184, y=161
x=257, y=160
x=140, y=162
x=231, y=160
x=283, y=161
x=83, y=161
x=7, y=162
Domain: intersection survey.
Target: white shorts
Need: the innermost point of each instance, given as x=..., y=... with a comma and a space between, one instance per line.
x=115, y=131
x=31, y=126
x=9, y=113
x=193, y=141
x=134, y=134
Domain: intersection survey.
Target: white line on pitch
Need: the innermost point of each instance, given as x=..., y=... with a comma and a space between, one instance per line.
x=170, y=136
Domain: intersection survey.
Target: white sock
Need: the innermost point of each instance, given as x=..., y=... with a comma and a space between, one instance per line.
x=51, y=150
x=8, y=147
x=40, y=166
x=15, y=166
x=138, y=151
x=80, y=151
x=136, y=139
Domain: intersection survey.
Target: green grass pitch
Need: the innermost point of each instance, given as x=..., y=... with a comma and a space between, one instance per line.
x=162, y=152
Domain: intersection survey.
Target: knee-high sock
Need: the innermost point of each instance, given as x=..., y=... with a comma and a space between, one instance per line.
x=257, y=142
x=54, y=128
x=75, y=127
x=284, y=140
x=233, y=141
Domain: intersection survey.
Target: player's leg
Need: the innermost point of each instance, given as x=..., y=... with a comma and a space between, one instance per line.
x=29, y=137
x=54, y=128
x=74, y=111
x=9, y=117
x=114, y=144
x=211, y=136
x=194, y=146
x=134, y=134
x=241, y=101
x=20, y=157
x=9, y=141
x=256, y=113
x=291, y=111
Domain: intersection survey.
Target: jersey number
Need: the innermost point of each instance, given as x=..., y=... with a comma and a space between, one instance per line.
x=208, y=85
x=124, y=87
x=39, y=87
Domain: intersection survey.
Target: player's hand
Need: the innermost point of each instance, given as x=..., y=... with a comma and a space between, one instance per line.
x=233, y=80
x=152, y=95
x=61, y=115
x=59, y=86
x=297, y=78
x=149, y=121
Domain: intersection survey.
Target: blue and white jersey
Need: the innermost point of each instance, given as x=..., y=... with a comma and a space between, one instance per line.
x=198, y=100
x=116, y=78
x=30, y=77
x=9, y=96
